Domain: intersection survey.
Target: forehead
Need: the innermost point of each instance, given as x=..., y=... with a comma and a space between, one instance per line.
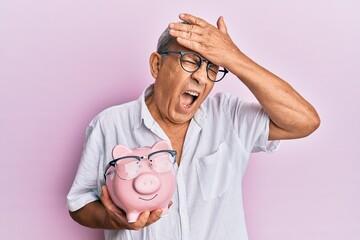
x=177, y=47
x=181, y=48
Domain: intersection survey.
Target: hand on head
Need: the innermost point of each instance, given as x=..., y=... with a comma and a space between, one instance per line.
x=213, y=43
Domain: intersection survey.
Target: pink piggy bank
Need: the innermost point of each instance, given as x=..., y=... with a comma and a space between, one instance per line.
x=141, y=179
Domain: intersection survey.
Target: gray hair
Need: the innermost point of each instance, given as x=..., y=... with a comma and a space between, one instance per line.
x=166, y=40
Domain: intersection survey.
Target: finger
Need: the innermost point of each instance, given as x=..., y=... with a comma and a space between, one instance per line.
x=105, y=197
x=193, y=20
x=221, y=24
x=185, y=27
x=170, y=203
x=104, y=192
x=117, y=215
x=141, y=221
x=109, y=204
x=154, y=216
x=186, y=35
x=195, y=46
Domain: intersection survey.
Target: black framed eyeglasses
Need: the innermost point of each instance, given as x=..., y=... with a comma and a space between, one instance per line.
x=191, y=62
x=128, y=167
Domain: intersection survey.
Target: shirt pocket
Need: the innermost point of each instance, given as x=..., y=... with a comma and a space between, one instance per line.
x=215, y=173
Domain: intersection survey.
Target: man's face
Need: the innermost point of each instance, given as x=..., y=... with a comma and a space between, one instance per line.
x=177, y=93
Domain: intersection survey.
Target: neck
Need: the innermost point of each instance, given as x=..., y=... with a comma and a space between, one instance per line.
x=176, y=132
x=171, y=128
x=160, y=118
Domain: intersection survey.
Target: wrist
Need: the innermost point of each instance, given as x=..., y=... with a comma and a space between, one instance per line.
x=238, y=63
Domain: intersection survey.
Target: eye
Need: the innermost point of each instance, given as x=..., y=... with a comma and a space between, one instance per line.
x=213, y=68
x=190, y=62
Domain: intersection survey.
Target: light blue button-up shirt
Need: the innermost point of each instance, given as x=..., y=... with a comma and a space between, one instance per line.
x=207, y=204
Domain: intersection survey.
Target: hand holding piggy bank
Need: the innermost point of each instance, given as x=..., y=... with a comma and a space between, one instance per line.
x=141, y=179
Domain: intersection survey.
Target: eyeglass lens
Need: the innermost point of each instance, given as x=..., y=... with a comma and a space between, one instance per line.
x=191, y=62
x=129, y=168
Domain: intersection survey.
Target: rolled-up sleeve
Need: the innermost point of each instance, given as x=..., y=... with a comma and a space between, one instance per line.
x=84, y=188
x=263, y=144
x=251, y=123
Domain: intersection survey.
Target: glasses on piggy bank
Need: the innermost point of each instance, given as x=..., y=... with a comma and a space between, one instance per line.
x=128, y=167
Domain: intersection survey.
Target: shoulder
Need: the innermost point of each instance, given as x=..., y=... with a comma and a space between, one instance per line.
x=116, y=113
x=219, y=99
x=232, y=108
x=222, y=101
x=216, y=108
x=230, y=102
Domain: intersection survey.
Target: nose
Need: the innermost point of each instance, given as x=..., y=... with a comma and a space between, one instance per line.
x=147, y=183
x=200, y=75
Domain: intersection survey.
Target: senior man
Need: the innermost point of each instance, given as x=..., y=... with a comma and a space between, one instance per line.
x=213, y=136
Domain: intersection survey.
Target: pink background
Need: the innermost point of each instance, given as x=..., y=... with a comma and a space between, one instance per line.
x=61, y=62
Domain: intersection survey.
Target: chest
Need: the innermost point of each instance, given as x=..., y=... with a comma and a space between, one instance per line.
x=177, y=141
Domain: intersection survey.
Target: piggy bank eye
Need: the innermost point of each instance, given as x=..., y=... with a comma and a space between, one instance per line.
x=127, y=168
x=162, y=162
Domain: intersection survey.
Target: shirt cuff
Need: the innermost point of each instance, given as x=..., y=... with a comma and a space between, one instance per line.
x=264, y=144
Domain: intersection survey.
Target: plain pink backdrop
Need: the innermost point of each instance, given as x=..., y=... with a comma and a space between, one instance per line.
x=61, y=62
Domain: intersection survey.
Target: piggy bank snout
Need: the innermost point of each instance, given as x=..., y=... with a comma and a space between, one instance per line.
x=147, y=183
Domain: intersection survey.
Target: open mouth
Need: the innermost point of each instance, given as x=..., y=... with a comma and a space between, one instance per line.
x=148, y=199
x=188, y=98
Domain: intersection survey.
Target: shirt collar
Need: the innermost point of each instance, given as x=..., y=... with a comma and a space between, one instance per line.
x=146, y=117
x=142, y=114
x=200, y=115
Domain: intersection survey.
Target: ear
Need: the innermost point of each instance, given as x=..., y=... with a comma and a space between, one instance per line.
x=120, y=150
x=155, y=62
x=161, y=145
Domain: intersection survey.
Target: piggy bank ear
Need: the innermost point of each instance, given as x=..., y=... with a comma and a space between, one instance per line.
x=120, y=151
x=161, y=145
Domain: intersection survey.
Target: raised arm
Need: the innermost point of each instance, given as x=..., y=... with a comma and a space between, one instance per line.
x=290, y=114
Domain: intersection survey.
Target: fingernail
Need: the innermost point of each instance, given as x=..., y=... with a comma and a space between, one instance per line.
x=182, y=15
x=171, y=25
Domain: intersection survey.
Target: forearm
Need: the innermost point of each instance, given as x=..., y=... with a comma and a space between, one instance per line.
x=106, y=215
x=92, y=215
x=288, y=110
